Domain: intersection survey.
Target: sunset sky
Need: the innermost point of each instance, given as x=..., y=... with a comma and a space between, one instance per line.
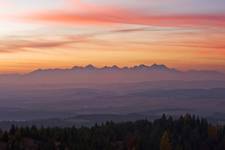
x=185, y=34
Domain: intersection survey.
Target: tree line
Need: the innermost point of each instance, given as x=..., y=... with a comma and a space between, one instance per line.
x=187, y=132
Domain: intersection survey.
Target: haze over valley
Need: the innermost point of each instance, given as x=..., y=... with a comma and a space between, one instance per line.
x=127, y=93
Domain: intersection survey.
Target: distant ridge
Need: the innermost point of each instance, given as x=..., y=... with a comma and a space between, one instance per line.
x=137, y=72
x=141, y=67
x=110, y=74
x=90, y=67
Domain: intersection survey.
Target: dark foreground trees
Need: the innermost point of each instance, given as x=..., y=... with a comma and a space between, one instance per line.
x=186, y=133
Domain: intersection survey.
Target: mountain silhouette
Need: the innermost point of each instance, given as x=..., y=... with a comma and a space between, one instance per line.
x=90, y=67
x=110, y=74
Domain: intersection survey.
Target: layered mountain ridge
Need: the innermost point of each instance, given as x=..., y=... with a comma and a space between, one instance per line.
x=110, y=74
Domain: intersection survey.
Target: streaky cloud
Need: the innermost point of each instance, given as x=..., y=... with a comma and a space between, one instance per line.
x=93, y=14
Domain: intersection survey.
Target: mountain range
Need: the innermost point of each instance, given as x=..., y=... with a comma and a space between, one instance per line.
x=109, y=74
x=137, y=68
x=91, y=68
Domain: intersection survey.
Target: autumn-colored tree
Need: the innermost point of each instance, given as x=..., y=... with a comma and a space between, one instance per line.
x=213, y=132
x=165, y=143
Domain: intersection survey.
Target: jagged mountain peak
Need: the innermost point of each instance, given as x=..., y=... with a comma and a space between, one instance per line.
x=159, y=66
x=90, y=66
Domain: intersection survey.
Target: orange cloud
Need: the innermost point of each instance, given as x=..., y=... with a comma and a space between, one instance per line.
x=12, y=45
x=18, y=44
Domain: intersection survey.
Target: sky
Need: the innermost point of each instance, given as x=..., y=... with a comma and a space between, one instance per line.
x=185, y=34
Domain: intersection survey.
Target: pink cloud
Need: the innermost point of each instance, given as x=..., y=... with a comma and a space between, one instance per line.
x=80, y=13
x=128, y=17
x=5, y=4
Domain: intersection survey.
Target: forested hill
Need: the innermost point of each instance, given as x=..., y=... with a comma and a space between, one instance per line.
x=185, y=133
